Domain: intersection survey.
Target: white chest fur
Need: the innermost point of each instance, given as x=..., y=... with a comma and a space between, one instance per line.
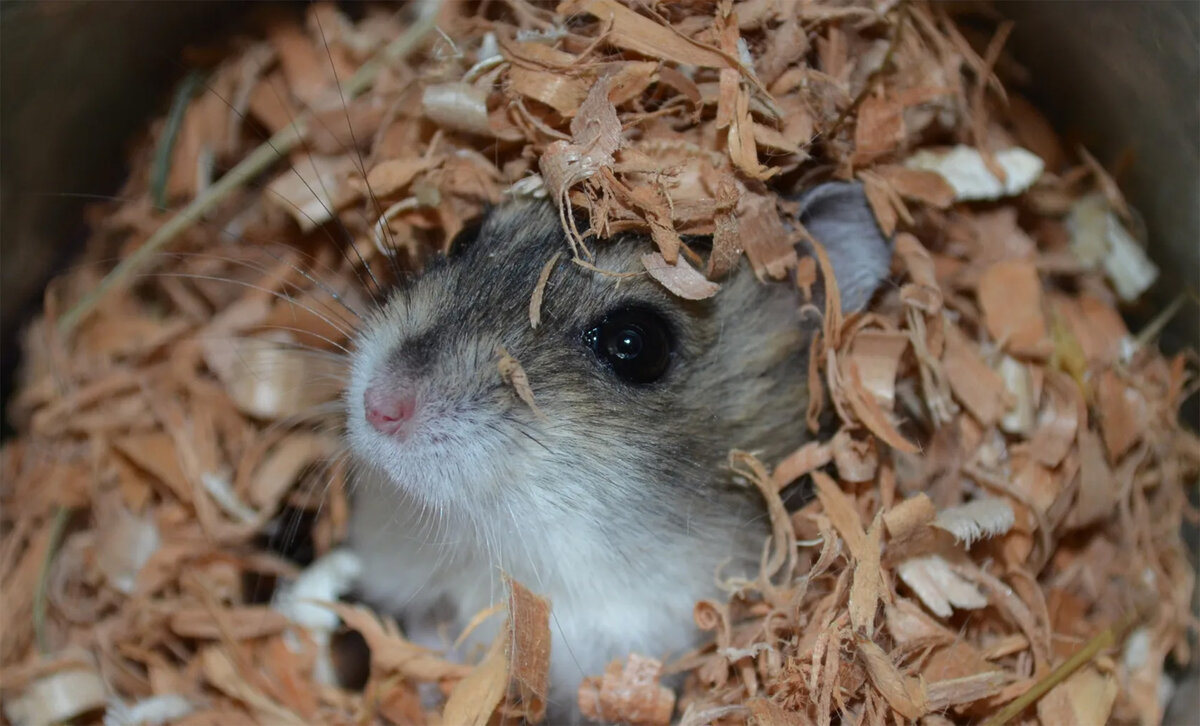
x=606, y=602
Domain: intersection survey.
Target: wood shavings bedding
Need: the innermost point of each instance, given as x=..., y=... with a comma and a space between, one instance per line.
x=1010, y=469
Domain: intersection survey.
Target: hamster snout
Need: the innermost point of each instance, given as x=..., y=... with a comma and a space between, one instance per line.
x=612, y=499
x=389, y=409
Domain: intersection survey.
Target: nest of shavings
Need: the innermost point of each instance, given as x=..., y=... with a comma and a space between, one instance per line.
x=996, y=521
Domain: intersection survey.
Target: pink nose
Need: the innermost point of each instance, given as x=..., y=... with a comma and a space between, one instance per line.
x=388, y=411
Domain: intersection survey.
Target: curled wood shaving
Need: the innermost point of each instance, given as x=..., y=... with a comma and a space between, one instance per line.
x=394, y=175
x=923, y=292
x=1019, y=384
x=306, y=190
x=245, y=623
x=513, y=374
x=629, y=693
x=221, y=672
x=458, y=106
x=804, y=460
x=1098, y=492
x=918, y=185
x=480, y=693
x=743, y=148
x=869, y=411
x=967, y=689
x=973, y=383
x=562, y=93
x=1085, y=698
x=125, y=546
x=876, y=355
x=880, y=128
x=1098, y=236
x=595, y=137
x=840, y=510
x=783, y=534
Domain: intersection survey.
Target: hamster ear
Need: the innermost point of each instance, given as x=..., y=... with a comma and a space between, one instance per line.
x=838, y=215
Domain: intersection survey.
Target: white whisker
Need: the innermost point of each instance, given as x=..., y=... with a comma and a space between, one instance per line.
x=274, y=293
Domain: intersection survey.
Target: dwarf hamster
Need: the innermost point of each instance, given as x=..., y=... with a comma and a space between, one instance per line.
x=616, y=502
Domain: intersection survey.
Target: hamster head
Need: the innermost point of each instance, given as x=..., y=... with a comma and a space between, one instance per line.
x=640, y=394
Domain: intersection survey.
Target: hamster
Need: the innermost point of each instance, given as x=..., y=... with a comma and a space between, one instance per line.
x=616, y=502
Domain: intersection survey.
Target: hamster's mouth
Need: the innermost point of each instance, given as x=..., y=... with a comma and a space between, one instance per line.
x=445, y=456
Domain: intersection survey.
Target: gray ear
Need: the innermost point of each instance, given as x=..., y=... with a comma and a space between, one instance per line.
x=838, y=216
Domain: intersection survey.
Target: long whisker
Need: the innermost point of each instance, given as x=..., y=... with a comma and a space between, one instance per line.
x=320, y=474
x=286, y=298
x=362, y=167
x=225, y=232
x=345, y=352
x=562, y=633
x=300, y=348
x=249, y=265
x=378, y=290
x=287, y=294
x=524, y=431
x=348, y=241
x=341, y=247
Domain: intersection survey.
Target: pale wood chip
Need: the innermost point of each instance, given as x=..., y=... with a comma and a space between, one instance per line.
x=514, y=375
x=628, y=693
x=680, y=278
x=539, y=290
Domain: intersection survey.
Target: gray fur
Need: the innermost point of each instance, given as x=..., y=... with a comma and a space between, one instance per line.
x=618, y=506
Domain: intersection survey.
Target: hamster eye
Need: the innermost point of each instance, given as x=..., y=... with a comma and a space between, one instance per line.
x=634, y=342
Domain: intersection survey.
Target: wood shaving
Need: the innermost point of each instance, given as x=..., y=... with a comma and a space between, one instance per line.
x=514, y=375
x=458, y=106
x=909, y=515
x=680, y=278
x=59, y=696
x=1099, y=237
x=976, y=520
x=966, y=171
x=515, y=668
x=528, y=650
x=629, y=693
x=640, y=34
x=938, y=586
x=539, y=290
x=1011, y=297
x=999, y=468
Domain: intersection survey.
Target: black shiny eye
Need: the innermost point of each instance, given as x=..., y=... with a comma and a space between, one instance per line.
x=634, y=342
